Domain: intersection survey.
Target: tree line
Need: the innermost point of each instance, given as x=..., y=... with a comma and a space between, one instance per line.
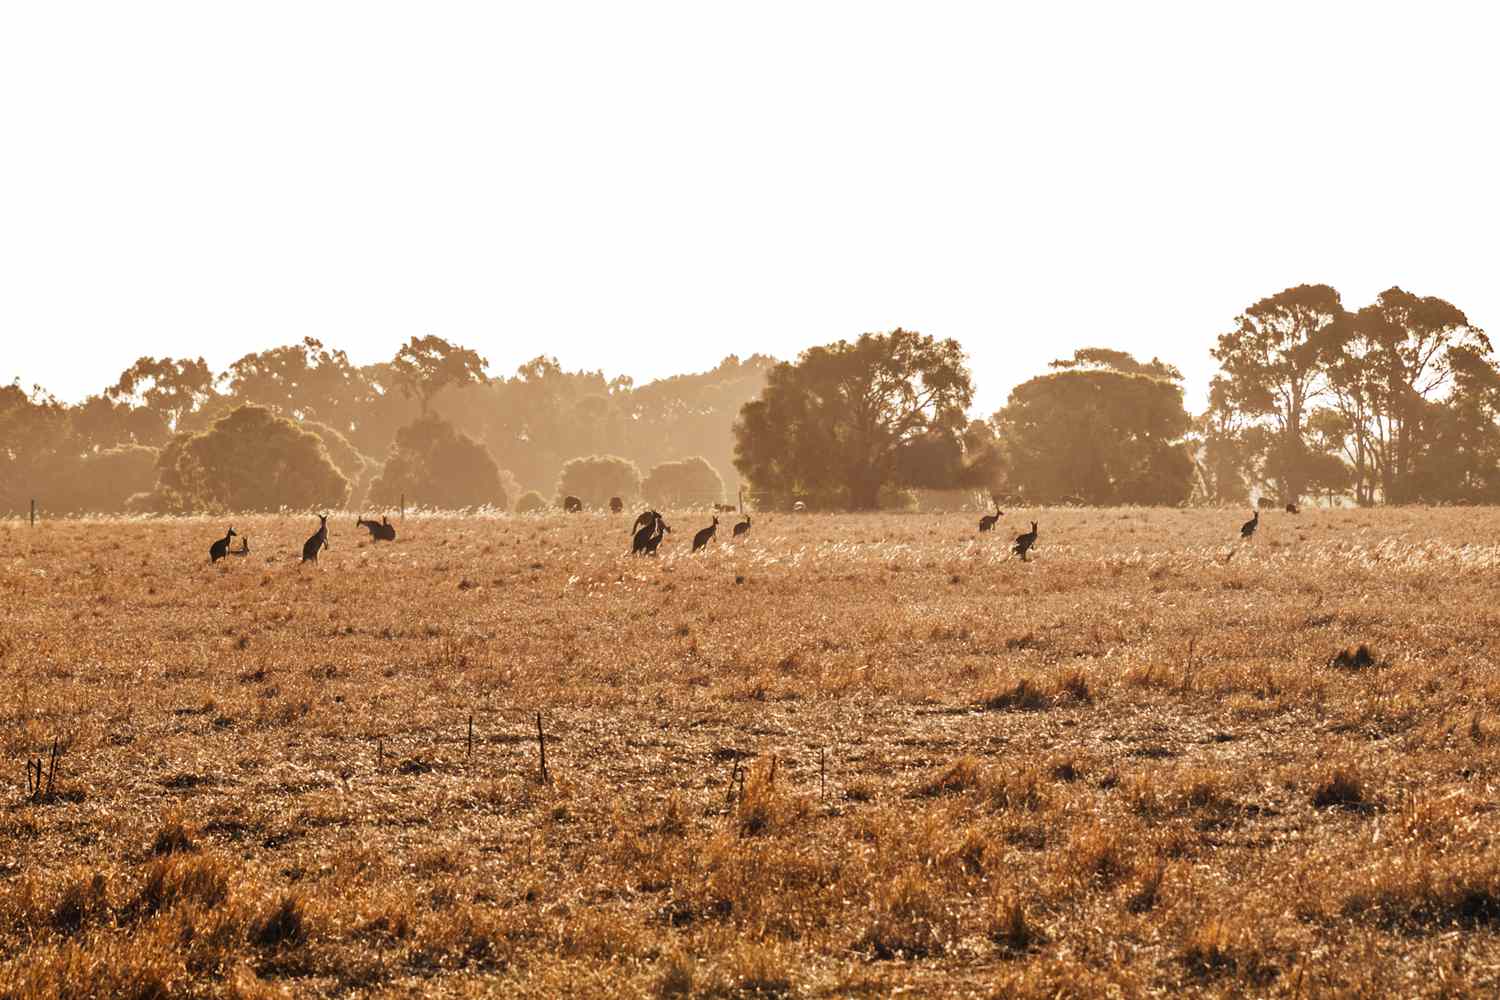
x=1396, y=401
x=299, y=426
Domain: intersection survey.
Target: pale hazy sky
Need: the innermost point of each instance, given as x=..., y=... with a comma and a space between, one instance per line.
x=646, y=187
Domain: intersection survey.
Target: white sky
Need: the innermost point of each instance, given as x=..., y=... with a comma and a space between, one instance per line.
x=644, y=188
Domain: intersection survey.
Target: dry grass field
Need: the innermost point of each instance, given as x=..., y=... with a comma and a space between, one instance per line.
x=845, y=756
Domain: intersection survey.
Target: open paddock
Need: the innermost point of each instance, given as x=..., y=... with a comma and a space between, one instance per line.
x=840, y=755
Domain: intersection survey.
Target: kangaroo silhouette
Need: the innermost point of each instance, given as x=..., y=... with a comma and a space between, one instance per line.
x=648, y=533
x=380, y=531
x=1025, y=542
x=572, y=504
x=987, y=522
x=742, y=527
x=219, y=549
x=703, y=537
x=319, y=540
x=1248, y=528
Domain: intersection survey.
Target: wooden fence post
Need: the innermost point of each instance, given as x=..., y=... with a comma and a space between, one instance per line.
x=33, y=512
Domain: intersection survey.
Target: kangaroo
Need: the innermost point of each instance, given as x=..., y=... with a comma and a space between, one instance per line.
x=244, y=549
x=319, y=540
x=1248, y=528
x=703, y=537
x=572, y=504
x=219, y=549
x=650, y=528
x=655, y=539
x=987, y=522
x=742, y=527
x=1025, y=542
x=380, y=531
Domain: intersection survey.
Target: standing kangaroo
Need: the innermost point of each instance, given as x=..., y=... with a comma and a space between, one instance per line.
x=219, y=549
x=742, y=527
x=703, y=537
x=1025, y=542
x=319, y=540
x=987, y=522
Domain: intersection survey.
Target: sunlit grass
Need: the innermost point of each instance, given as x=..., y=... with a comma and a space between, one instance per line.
x=840, y=755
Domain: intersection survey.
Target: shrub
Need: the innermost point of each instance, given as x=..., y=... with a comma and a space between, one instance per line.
x=252, y=460
x=597, y=478
x=434, y=464
x=531, y=501
x=692, y=481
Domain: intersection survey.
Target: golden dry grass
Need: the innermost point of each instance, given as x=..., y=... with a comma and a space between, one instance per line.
x=844, y=756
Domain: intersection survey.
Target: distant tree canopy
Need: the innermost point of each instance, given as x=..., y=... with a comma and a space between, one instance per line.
x=1397, y=401
x=1400, y=394
x=845, y=420
x=171, y=389
x=433, y=464
x=249, y=460
x=425, y=366
x=691, y=481
x=1106, y=434
x=596, y=478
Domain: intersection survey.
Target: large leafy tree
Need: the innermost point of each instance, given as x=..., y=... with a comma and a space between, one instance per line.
x=1273, y=368
x=1103, y=433
x=1389, y=362
x=841, y=421
x=250, y=459
x=434, y=464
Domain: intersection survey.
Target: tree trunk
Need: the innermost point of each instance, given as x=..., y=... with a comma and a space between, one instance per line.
x=864, y=493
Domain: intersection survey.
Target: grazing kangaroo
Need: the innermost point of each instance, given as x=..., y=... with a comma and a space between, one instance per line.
x=703, y=537
x=987, y=522
x=724, y=508
x=1025, y=542
x=1248, y=528
x=650, y=528
x=572, y=504
x=616, y=505
x=380, y=531
x=1292, y=508
x=244, y=549
x=742, y=527
x=319, y=540
x=219, y=549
